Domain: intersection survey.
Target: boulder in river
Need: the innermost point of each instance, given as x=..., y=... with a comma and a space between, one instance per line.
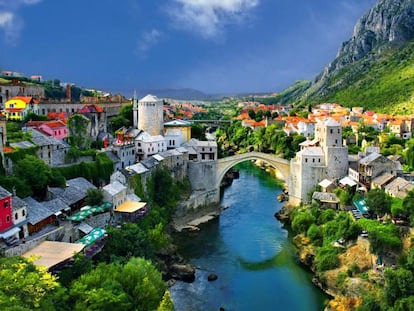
x=183, y=272
x=212, y=277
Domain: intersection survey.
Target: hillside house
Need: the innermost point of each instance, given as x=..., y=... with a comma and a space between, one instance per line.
x=374, y=165
x=17, y=108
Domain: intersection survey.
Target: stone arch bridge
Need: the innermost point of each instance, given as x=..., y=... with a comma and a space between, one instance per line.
x=281, y=165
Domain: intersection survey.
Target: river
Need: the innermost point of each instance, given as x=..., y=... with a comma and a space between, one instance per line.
x=250, y=252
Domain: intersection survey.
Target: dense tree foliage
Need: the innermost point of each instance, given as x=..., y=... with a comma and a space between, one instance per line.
x=123, y=119
x=36, y=173
x=24, y=286
x=382, y=237
x=270, y=139
x=379, y=202
x=136, y=285
x=78, y=132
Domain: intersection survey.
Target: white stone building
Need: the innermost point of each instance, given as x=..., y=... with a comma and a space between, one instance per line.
x=147, y=145
x=322, y=158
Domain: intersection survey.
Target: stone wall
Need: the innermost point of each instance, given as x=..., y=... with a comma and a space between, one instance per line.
x=202, y=175
x=28, y=245
x=198, y=205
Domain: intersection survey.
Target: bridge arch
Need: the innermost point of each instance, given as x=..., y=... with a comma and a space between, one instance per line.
x=223, y=165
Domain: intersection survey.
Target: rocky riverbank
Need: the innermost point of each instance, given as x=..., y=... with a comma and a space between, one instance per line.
x=351, y=280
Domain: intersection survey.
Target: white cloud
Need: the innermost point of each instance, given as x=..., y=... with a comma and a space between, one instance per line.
x=9, y=23
x=148, y=40
x=208, y=17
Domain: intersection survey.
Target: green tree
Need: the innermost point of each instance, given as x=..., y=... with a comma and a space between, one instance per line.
x=252, y=114
x=198, y=131
x=35, y=173
x=315, y=235
x=378, y=202
x=137, y=285
x=166, y=303
x=408, y=204
x=31, y=116
x=302, y=221
x=409, y=153
x=398, y=284
x=78, y=132
x=24, y=286
x=94, y=196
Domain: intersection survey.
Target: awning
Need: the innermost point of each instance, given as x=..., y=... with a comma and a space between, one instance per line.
x=130, y=207
x=92, y=236
x=9, y=233
x=51, y=253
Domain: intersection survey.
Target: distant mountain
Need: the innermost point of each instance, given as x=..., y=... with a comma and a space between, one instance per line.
x=375, y=68
x=180, y=94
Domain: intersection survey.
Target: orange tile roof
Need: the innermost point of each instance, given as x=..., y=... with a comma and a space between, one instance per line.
x=14, y=109
x=7, y=149
x=55, y=124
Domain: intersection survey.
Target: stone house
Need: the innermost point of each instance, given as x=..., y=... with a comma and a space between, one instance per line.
x=74, y=194
x=201, y=150
x=398, y=188
x=374, y=165
x=115, y=193
x=147, y=145
x=39, y=216
x=17, y=88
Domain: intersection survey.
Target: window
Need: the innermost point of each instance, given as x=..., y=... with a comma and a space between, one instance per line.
x=331, y=131
x=313, y=160
x=8, y=218
x=306, y=160
x=16, y=216
x=6, y=204
x=23, y=213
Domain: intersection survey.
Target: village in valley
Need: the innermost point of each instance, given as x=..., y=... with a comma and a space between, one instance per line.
x=343, y=154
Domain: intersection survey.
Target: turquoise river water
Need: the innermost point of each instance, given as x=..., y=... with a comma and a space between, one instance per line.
x=250, y=252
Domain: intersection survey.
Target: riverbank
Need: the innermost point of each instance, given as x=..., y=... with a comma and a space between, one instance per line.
x=346, y=274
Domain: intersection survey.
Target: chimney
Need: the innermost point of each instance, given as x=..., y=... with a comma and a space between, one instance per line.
x=68, y=92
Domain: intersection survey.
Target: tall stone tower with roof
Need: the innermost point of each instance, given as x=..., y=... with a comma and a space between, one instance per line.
x=321, y=158
x=151, y=115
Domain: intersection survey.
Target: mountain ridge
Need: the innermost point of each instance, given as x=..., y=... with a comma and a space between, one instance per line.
x=384, y=31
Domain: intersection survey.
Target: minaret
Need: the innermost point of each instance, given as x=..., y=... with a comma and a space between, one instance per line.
x=135, y=109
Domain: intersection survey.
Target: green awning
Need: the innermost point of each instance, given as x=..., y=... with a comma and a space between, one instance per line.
x=92, y=236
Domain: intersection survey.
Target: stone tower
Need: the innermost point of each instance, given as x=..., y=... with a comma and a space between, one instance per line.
x=322, y=158
x=329, y=134
x=151, y=115
x=135, y=110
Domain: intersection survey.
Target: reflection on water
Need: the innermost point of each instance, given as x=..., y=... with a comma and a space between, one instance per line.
x=249, y=251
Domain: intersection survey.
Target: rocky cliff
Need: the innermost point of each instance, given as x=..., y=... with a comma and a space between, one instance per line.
x=388, y=26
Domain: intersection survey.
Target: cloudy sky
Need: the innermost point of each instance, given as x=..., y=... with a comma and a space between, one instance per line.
x=216, y=46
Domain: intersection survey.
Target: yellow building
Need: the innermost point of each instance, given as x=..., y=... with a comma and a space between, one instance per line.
x=18, y=107
x=176, y=133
